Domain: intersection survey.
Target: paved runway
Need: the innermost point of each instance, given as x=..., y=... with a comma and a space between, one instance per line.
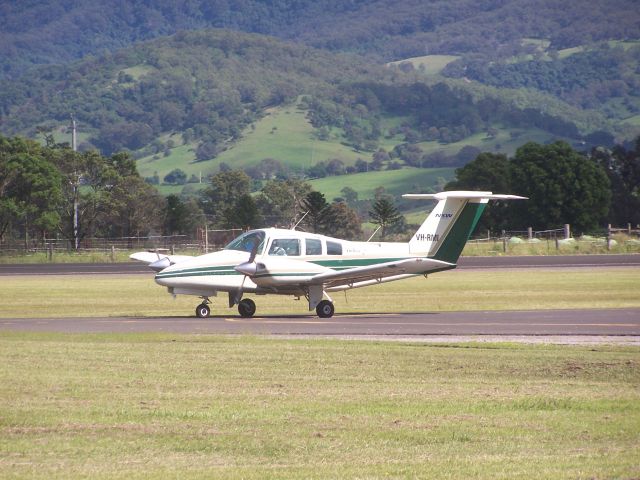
x=625, y=322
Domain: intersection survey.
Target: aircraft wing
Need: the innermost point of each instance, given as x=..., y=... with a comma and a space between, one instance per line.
x=410, y=266
x=158, y=261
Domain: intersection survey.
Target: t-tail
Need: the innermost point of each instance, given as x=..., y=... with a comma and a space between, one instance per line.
x=446, y=230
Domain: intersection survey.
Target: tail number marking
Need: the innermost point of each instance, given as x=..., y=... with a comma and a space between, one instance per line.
x=427, y=237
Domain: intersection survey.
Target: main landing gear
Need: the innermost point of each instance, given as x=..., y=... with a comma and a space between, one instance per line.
x=246, y=308
x=325, y=309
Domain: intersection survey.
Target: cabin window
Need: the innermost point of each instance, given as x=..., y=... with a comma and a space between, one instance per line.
x=247, y=242
x=285, y=246
x=313, y=246
x=334, y=248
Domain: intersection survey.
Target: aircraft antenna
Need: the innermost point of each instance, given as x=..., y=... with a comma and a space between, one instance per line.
x=305, y=214
x=379, y=227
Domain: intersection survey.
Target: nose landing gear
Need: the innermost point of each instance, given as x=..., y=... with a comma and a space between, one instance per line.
x=203, y=310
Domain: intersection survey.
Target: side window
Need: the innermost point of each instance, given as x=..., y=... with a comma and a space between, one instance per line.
x=313, y=246
x=334, y=248
x=285, y=246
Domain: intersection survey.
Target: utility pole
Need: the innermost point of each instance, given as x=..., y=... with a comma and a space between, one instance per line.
x=76, y=181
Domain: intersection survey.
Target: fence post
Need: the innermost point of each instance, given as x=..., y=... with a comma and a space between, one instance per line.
x=173, y=249
x=567, y=231
x=629, y=229
x=608, y=237
x=530, y=233
x=50, y=251
x=113, y=253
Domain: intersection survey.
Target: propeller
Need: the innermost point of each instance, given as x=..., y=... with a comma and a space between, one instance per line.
x=248, y=269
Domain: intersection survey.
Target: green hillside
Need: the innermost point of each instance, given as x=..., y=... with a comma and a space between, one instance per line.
x=395, y=182
x=283, y=133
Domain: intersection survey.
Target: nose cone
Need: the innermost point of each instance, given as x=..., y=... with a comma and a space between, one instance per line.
x=247, y=268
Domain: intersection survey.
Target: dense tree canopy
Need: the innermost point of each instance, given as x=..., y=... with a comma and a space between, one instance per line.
x=39, y=187
x=57, y=31
x=623, y=169
x=563, y=186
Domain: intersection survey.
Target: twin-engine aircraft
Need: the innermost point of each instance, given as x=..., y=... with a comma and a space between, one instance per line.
x=299, y=264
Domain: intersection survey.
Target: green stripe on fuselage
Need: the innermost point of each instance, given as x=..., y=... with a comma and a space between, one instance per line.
x=335, y=264
x=452, y=245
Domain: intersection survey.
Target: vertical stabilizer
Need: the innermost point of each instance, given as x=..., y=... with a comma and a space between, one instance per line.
x=446, y=230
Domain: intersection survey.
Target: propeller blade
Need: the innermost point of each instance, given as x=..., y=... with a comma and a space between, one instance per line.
x=247, y=268
x=254, y=252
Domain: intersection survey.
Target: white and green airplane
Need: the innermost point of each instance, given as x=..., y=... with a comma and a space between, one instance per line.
x=299, y=264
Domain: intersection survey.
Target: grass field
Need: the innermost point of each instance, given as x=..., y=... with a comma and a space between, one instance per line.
x=159, y=406
x=138, y=295
x=201, y=406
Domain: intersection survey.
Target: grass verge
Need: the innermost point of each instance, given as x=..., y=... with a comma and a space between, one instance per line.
x=158, y=406
x=521, y=289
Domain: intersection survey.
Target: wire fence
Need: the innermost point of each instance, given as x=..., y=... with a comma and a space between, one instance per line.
x=202, y=242
x=210, y=240
x=557, y=237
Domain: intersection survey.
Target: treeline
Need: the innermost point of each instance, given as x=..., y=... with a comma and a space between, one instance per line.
x=57, y=32
x=563, y=186
x=40, y=187
x=53, y=192
x=42, y=190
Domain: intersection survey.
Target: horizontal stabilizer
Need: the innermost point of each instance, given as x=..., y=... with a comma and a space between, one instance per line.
x=463, y=194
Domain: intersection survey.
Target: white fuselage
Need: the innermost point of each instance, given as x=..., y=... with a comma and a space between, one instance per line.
x=284, y=255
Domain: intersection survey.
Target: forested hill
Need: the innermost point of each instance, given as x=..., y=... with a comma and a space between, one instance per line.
x=209, y=84
x=59, y=31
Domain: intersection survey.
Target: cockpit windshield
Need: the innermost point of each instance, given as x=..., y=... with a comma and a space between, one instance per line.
x=247, y=241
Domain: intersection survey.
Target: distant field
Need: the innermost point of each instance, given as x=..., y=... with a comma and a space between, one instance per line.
x=432, y=64
x=284, y=134
x=395, y=182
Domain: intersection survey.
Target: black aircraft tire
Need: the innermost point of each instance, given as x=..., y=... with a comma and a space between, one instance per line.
x=246, y=308
x=203, y=311
x=325, y=309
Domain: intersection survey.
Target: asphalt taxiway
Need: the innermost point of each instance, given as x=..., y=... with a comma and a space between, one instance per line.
x=609, y=322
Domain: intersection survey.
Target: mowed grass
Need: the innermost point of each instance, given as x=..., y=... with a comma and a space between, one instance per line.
x=171, y=406
x=457, y=290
